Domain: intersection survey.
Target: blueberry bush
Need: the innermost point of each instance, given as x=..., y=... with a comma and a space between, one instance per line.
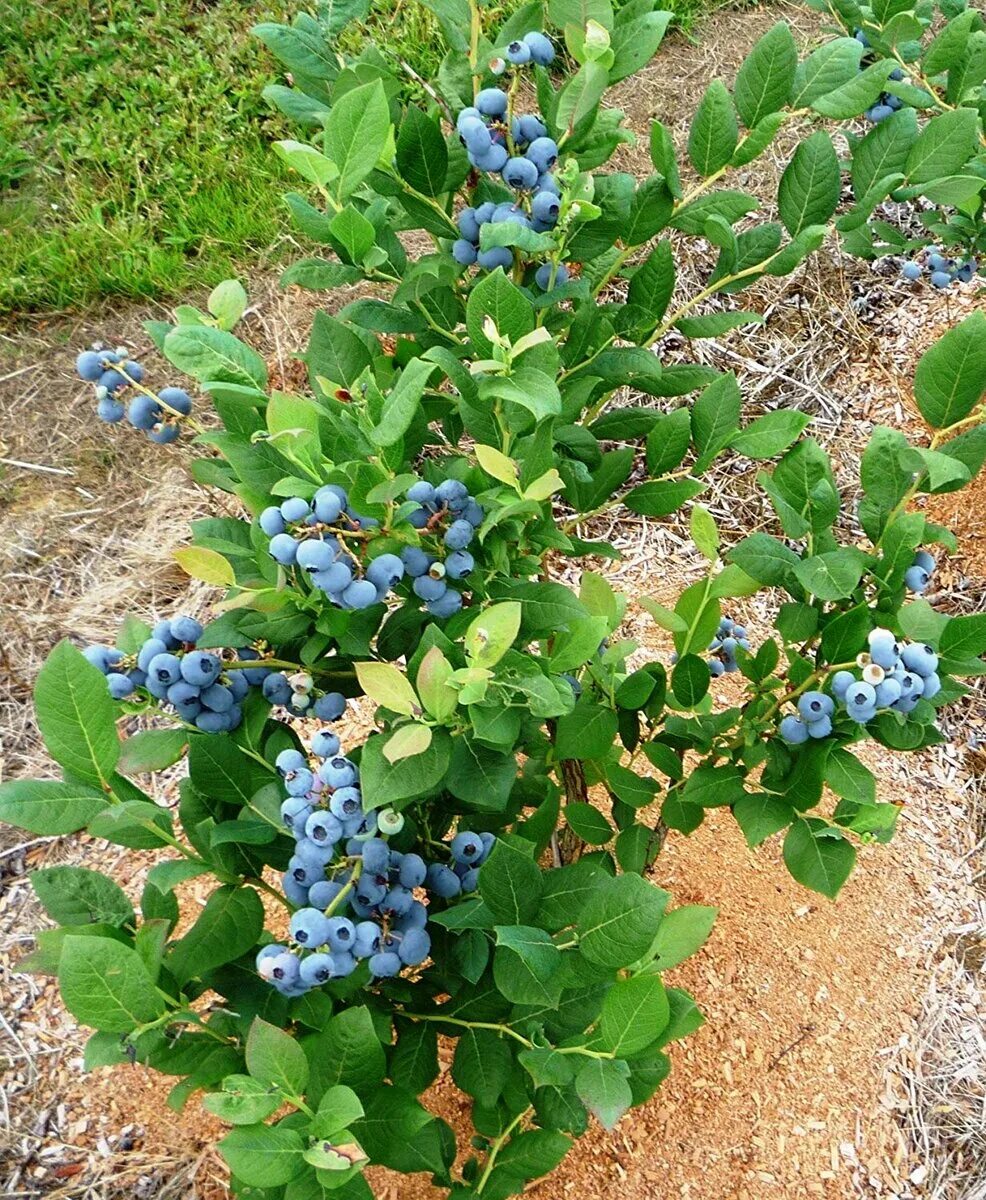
x=927, y=150
x=477, y=864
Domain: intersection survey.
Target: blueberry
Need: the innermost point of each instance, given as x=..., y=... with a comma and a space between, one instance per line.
x=144, y=412
x=414, y=948
x=518, y=53
x=464, y=252
x=113, y=381
x=416, y=561
x=529, y=128
x=120, y=686
x=276, y=689
x=412, y=871
x=289, y=761
x=367, y=939
x=293, y=889
x=361, y=593
x=421, y=492
x=325, y=744
x=333, y=580
x=815, y=706
x=212, y=722
x=300, y=782
x=966, y=271
x=924, y=559
x=542, y=277
x=520, y=174
x=459, y=564
x=164, y=434
x=316, y=969
x=295, y=509
x=328, y=503
x=386, y=964
x=446, y=606
x=330, y=706
x=323, y=893
x=543, y=153
x=465, y=115
x=917, y=578
x=165, y=668
x=491, y=102
x=887, y=692
x=283, y=549
x=386, y=571
x=150, y=649
x=376, y=856
x=309, y=927
x=200, y=668
x=89, y=366
x=338, y=772
x=271, y=521
x=545, y=207
x=883, y=647
x=542, y=51
x=932, y=686
x=176, y=398
x=475, y=136
x=820, y=728
x=458, y=535
x=793, y=730
x=443, y=881
x=109, y=410
x=315, y=555
x=940, y=279
x=469, y=228
x=429, y=589
x=452, y=493
x=911, y=271
x=467, y=847
x=492, y=160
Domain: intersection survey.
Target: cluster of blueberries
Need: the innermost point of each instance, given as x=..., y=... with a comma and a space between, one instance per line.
x=312, y=536
x=918, y=574
x=943, y=271
x=452, y=516
x=887, y=103
x=356, y=895
x=723, y=646
x=116, y=376
x=193, y=682
x=893, y=676
x=518, y=149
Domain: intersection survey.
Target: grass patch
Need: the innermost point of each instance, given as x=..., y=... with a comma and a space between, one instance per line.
x=135, y=152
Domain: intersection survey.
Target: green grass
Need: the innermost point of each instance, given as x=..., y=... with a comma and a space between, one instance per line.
x=135, y=152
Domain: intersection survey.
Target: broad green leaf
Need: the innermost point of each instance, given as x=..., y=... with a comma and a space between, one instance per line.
x=680, y=933
x=264, y=1156
x=510, y=884
x=105, y=985
x=78, y=896
x=76, y=716
x=766, y=78
x=388, y=686
x=275, y=1059
x=386, y=783
x=714, y=131
x=617, y=924
x=47, y=807
x=833, y=575
x=943, y=146
x=407, y=741
x=152, y=750
x=227, y=927
x=422, y=156
x=950, y=379
x=209, y=354
x=602, y=1087
x=818, y=856
x=811, y=184
x=243, y=1101
x=356, y=133
x=635, y=1013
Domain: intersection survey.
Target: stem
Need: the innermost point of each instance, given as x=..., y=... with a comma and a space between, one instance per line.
x=339, y=900
x=475, y=30
x=497, y=1146
x=502, y=1030
x=193, y=424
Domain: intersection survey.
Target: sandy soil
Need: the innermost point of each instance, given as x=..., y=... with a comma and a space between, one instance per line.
x=793, y=1086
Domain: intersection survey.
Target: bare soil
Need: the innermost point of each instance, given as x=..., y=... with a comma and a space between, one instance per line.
x=801, y=1082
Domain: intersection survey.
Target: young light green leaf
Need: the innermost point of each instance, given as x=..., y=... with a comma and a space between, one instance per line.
x=389, y=687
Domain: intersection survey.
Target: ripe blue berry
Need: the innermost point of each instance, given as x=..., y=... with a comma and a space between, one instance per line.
x=309, y=927
x=459, y=564
x=814, y=706
x=520, y=174
x=542, y=277
x=545, y=207
x=446, y=605
x=338, y=772
x=492, y=160
x=283, y=549
x=144, y=412
x=543, y=152
x=528, y=128
x=271, y=521
x=793, y=730
x=330, y=706
x=911, y=271
x=940, y=279
x=491, y=102
x=295, y=509
x=89, y=366
x=200, y=668
x=359, y=594
x=542, y=51
x=176, y=398
x=109, y=410
x=386, y=571
x=328, y=503
x=414, y=948
x=467, y=847
x=518, y=53
x=386, y=964
x=917, y=579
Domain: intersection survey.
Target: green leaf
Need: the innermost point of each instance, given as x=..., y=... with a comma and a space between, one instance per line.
x=770, y=434
x=264, y=1156
x=680, y=933
x=491, y=633
x=106, y=985
x=714, y=132
x=943, y=146
x=588, y=823
x=704, y=531
x=617, y=924
x=481, y=1066
x=602, y=1087
x=586, y=732
x=227, y=302
x=227, y=927
x=76, y=716
x=634, y=43
x=276, y=1060
x=47, y=807
x=384, y=783
x=884, y=150
x=77, y=896
x=950, y=378
x=422, y=156
x=635, y=1013
x=339, y=1108
x=764, y=81
x=346, y=1051
x=403, y=403
x=662, y=497
x=818, y=856
x=811, y=184
x=855, y=96
x=524, y=963
x=243, y=1101
x=847, y=777
x=479, y=776
x=152, y=750
x=690, y=680
x=759, y=816
x=209, y=355
x=652, y=285
x=510, y=884
x=833, y=575
x=356, y=133
x=566, y=890
x=830, y=66
x=668, y=441
x=387, y=685
x=500, y=300
x=716, y=416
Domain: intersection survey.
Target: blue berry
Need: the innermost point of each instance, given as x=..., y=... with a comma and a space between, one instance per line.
x=120, y=686
x=385, y=965
x=200, y=668
x=185, y=629
x=443, y=881
x=888, y=692
x=328, y=503
x=820, y=728
x=414, y=948
x=164, y=434
x=165, y=668
x=542, y=277
x=416, y=561
x=884, y=650
x=917, y=579
x=289, y=761
x=492, y=160
x=464, y=252
x=467, y=847
x=144, y=412
x=330, y=706
x=283, y=549
x=271, y=521
x=309, y=927
x=545, y=207
x=459, y=564
x=542, y=51
x=491, y=102
x=295, y=509
x=89, y=366
x=109, y=410
x=359, y=594
x=528, y=128
x=520, y=173
x=543, y=153
x=299, y=783
x=176, y=398
x=499, y=256
x=815, y=706
x=793, y=730
x=923, y=559
x=518, y=53
x=940, y=279
x=446, y=605
x=276, y=689
x=458, y=535
x=338, y=772
x=386, y=571
x=921, y=660
x=911, y=271
x=316, y=969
